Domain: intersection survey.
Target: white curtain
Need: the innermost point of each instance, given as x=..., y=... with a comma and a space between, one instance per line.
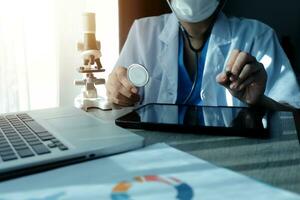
x=38, y=55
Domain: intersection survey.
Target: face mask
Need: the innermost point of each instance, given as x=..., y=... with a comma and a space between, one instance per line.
x=193, y=10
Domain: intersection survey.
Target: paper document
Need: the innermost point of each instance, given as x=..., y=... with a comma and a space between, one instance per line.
x=157, y=172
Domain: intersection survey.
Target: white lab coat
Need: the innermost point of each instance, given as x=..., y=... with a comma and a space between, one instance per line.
x=153, y=42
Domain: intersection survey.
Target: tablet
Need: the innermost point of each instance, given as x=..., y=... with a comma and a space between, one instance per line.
x=241, y=121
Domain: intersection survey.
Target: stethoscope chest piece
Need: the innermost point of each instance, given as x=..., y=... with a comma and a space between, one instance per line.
x=138, y=75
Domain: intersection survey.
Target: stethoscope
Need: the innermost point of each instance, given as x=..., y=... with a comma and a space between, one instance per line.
x=188, y=37
x=196, y=52
x=139, y=76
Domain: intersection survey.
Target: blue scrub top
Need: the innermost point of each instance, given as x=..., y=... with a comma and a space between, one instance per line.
x=185, y=82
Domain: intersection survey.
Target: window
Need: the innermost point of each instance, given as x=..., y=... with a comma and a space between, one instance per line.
x=38, y=55
x=28, y=62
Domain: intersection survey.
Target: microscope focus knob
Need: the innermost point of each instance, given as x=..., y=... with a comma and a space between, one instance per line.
x=79, y=82
x=99, y=81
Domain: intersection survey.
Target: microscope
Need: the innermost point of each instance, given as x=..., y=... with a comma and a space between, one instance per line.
x=90, y=52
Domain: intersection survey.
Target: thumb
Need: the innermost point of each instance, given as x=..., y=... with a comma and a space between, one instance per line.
x=223, y=79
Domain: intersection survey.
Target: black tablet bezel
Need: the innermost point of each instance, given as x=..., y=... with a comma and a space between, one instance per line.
x=126, y=122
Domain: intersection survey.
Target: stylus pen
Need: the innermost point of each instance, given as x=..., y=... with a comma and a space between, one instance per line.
x=229, y=74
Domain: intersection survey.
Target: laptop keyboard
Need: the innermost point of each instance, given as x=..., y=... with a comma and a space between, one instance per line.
x=22, y=137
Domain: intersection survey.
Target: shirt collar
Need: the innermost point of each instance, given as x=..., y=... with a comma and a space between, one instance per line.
x=170, y=30
x=221, y=31
x=221, y=34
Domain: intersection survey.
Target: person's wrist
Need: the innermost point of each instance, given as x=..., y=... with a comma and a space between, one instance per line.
x=267, y=102
x=263, y=101
x=259, y=102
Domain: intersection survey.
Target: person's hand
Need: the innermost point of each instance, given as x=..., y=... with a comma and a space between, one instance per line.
x=119, y=89
x=245, y=77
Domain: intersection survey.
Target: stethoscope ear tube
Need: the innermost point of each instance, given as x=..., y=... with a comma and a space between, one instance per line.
x=196, y=51
x=194, y=81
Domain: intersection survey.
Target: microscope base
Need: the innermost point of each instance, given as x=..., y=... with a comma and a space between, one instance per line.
x=86, y=103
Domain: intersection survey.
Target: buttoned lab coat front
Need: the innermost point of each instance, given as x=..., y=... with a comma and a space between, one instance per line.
x=153, y=42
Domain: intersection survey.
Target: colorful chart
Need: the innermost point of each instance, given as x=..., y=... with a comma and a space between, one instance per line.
x=121, y=190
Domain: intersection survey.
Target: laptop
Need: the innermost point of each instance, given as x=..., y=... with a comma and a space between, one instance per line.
x=35, y=141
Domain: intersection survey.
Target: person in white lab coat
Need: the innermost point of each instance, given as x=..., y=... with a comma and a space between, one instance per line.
x=198, y=55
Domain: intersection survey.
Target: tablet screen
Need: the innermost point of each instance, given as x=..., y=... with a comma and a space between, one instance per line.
x=171, y=117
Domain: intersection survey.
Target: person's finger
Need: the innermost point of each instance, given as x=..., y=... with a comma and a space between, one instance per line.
x=121, y=73
x=117, y=101
x=223, y=79
x=260, y=76
x=122, y=100
x=116, y=89
x=119, y=97
x=119, y=90
x=135, y=98
x=242, y=59
x=233, y=55
x=128, y=85
x=127, y=93
x=247, y=71
x=113, y=83
x=246, y=83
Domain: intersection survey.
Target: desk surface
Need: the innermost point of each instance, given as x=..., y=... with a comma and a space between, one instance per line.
x=275, y=161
